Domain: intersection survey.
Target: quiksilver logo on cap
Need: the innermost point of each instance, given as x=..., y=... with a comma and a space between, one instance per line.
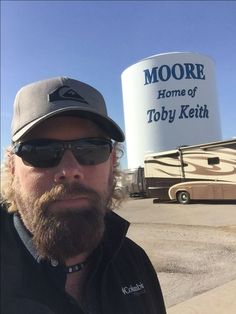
x=66, y=93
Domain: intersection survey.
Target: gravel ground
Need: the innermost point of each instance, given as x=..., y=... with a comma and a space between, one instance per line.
x=192, y=247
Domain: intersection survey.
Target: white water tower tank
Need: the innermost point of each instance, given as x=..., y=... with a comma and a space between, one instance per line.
x=169, y=100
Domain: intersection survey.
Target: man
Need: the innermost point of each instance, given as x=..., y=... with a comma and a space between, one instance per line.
x=63, y=249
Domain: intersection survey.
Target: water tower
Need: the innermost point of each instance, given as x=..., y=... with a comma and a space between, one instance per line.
x=169, y=100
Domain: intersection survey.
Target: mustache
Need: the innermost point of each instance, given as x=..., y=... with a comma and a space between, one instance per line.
x=64, y=191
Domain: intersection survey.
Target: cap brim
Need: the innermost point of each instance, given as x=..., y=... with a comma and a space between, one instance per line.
x=106, y=123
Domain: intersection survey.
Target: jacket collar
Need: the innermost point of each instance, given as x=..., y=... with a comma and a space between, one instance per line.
x=25, y=237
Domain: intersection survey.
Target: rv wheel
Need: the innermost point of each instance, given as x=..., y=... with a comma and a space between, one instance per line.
x=183, y=197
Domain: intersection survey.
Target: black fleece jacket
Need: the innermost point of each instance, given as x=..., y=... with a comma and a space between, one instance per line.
x=123, y=281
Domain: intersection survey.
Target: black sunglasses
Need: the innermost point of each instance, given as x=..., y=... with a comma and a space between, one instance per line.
x=45, y=153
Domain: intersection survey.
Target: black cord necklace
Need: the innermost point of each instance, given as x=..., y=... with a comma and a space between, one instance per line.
x=75, y=268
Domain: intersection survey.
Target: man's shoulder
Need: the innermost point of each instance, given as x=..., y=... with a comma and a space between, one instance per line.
x=6, y=220
x=132, y=245
x=132, y=253
x=3, y=211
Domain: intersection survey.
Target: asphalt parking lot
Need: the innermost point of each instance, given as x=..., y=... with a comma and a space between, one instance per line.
x=192, y=247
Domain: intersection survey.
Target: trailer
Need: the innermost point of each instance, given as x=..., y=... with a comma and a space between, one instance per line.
x=205, y=163
x=133, y=182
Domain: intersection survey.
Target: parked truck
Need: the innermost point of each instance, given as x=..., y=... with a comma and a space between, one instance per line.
x=189, y=172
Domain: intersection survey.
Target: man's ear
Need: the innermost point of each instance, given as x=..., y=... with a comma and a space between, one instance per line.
x=11, y=162
x=113, y=157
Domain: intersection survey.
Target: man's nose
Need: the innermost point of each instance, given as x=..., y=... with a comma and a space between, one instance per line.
x=69, y=170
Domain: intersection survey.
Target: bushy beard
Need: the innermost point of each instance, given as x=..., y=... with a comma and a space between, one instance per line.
x=70, y=231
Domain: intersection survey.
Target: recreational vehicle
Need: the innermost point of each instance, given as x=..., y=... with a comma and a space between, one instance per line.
x=204, y=163
x=211, y=162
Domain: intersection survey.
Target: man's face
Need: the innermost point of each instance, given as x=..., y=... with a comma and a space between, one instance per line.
x=64, y=206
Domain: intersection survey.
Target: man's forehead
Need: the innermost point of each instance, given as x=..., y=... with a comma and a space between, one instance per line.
x=66, y=126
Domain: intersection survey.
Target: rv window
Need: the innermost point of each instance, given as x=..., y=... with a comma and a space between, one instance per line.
x=213, y=161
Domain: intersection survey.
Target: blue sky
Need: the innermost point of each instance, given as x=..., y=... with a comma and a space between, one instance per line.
x=95, y=41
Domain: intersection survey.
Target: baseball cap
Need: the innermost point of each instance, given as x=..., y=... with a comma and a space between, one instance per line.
x=36, y=102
